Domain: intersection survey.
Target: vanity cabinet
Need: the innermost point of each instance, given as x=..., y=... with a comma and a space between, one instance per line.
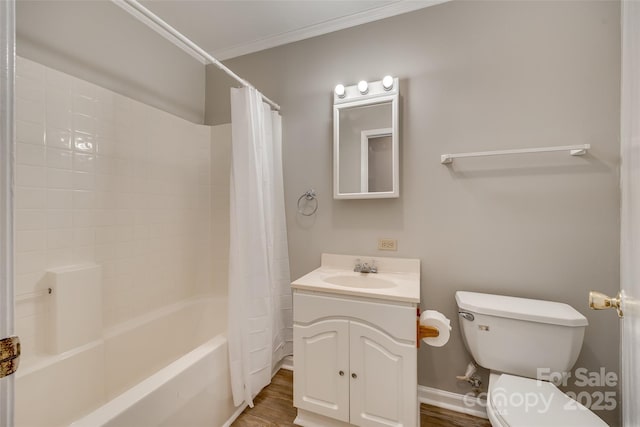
x=355, y=361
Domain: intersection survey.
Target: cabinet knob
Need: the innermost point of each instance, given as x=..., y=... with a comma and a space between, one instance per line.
x=341, y=373
x=354, y=376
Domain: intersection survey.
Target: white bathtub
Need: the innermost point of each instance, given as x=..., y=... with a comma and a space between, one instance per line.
x=167, y=368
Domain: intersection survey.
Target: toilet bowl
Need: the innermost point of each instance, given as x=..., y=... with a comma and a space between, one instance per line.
x=515, y=401
x=520, y=341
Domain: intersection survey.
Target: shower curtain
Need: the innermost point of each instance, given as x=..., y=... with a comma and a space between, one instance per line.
x=259, y=282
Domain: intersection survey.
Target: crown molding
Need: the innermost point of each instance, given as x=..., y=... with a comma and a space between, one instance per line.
x=393, y=9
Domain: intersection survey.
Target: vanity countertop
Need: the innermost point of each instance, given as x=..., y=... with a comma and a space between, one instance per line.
x=397, y=279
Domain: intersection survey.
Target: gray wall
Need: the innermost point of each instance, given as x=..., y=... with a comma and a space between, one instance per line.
x=474, y=76
x=99, y=42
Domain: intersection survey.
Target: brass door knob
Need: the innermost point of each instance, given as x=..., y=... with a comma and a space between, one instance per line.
x=600, y=301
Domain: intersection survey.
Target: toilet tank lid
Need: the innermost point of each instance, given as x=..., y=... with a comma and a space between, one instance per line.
x=532, y=310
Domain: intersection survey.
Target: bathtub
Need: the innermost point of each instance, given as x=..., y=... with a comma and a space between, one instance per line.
x=166, y=368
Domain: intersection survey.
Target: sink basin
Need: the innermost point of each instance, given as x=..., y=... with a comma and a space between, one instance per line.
x=360, y=281
x=398, y=279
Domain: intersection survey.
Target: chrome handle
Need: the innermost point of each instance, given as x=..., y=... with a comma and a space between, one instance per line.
x=600, y=301
x=354, y=376
x=468, y=316
x=341, y=373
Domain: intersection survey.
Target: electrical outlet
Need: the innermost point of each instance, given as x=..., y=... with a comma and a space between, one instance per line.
x=387, y=244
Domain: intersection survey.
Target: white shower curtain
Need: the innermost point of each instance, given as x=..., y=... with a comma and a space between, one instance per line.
x=259, y=282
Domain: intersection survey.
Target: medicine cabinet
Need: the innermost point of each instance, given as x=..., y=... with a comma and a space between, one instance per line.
x=366, y=140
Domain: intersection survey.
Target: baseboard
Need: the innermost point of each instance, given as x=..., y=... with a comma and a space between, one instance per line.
x=235, y=415
x=453, y=401
x=287, y=363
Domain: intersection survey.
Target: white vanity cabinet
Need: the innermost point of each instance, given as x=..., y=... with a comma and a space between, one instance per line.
x=355, y=361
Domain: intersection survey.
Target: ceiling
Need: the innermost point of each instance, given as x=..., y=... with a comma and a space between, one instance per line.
x=226, y=29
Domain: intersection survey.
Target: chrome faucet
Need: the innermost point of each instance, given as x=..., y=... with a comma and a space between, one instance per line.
x=365, y=268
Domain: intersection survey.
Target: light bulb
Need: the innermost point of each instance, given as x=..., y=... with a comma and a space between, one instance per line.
x=339, y=90
x=387, y=82
x=363, y=87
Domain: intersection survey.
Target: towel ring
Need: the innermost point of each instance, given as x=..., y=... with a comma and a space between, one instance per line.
x=308, y=196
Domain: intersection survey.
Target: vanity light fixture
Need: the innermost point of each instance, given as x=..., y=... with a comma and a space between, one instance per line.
x=363, y=87
x=339, y=90
x=387, y=82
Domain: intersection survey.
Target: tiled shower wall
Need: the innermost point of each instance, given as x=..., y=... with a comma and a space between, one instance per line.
x=102, y=178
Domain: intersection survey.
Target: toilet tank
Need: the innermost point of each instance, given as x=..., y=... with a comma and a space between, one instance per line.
x=520, y=336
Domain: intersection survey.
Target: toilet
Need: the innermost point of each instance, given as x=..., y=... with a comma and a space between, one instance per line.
x=523, y=341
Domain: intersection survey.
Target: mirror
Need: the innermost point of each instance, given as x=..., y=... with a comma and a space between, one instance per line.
x=366, y=143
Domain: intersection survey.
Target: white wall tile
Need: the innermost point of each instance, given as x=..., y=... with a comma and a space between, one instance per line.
x=112, y=181
x=30, y=219
x=59, y=159
x=84, y=199
x=60, y=238
x=83, y=181
x=82, y=142
x=30, y=198
x=59, y=179
x=84, y=218
x=84, y=237
x=29, y=111
x=60, y=257
x=58, y=138
x=85, y=106
x=29, y=133
x=58, y=108
x=59, y=199
x=30, y=262
x=30, y=307
x=30, y=282
x=27, y=241
x=104, y=145
x=59, y=219
x=84, y=162
x=84, y=254
x=30, y=176
x=28, y=154
x=84, y=124
x=29, y=90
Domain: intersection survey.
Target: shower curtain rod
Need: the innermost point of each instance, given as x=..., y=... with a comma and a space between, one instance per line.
x=154, y=22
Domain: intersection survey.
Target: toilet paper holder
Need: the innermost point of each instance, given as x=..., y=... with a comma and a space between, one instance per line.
x=425, y=332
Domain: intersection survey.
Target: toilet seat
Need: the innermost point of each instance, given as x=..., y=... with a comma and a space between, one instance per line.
x=522, y=402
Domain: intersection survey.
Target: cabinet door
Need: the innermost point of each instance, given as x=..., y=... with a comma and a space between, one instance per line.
x=383, y=379
x=321, y=376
